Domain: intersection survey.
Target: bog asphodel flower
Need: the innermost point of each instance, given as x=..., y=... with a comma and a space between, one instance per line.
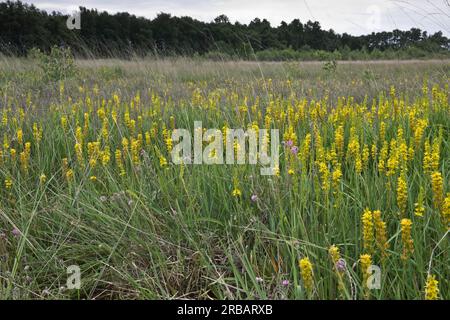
x=8, y=184
x=339, y=141
x=334, y=253
x=64, y=123
x=105, y=156
x=336, y=178
x=367, y=230
x=380, y=233
x=135, y=151
x=236, y=191
x=427, y=158
x=437, y=186
x=119, y=162
x=446, y=212
x=365, y=261
x=431, y=288
x=162, y=161
x=435, y=155
x=306, y=272
x=407, y=241
x=79, y=153
x=20, y=136
x=383, y=157
x=69, y=175
x=419, y=208
x=402, y=193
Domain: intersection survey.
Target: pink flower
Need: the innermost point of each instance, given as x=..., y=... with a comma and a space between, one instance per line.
x=254, y=197
x=15, y=232
x=341, y=265
x=285, y=283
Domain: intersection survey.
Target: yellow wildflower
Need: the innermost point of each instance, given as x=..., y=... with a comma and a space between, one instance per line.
x=306, y=272
x=431, y=288
x=407, y=241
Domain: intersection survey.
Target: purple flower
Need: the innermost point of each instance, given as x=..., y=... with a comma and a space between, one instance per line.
x=285, y=283
x=341, y=265
x=294, y=150
x=15, y=232
x=254, y=197
x=289, y=143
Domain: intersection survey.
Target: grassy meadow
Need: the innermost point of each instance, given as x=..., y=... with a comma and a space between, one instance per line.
x=364, y=179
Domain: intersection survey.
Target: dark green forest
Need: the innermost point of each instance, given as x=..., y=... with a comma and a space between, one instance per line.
x=23, y=27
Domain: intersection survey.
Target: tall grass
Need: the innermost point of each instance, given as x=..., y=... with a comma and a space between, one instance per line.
x=167, y=231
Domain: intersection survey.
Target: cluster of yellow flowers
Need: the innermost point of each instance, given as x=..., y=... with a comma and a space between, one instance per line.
x=390, y=142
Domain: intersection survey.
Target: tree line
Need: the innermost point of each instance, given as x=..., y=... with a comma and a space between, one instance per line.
x=23, y=27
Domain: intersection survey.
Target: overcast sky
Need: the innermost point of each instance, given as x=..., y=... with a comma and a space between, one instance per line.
x=351, y=16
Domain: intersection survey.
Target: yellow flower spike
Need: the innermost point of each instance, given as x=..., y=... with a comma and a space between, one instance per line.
x=365, y=156
x=236, y=191
x=13, y=153
x=334, y=253
x=5, y=142
x=306, y=272
x=79, y=135
x=8, y=184
x=162, y=161
x=381, y=238
x=418, y=132
x=437, y=185
x=20, y=136
x=382, y=131
x=135, y=151
x=339, y=141
x=86, y=124
x=431, y=288
x=42, y=178
x=325, y=176
x=383, y=157
x=105, y=132
x=106, y=156
x=125, y=144
x=407, y=241
x=336, y=178
x=24, y=161
x=445, y=215
x=65, y=165
x=402, y=193
x=69, y=175
x=365, y=261
x=367, y=230
x=64, y=123
x=79, y=153
x=435, y=155
x=5, y=118
x=419, y=208
x=119, y=162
